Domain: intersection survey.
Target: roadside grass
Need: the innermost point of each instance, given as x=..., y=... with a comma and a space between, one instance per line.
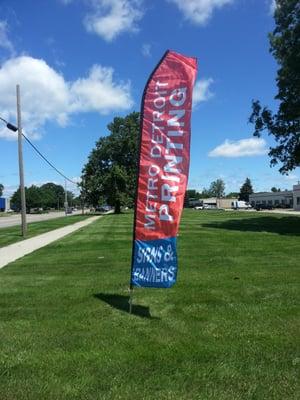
x=13, y=234
x=229, y=328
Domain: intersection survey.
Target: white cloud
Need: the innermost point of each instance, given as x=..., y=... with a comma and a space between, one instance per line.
x=202, y=91
x=146, y=50
x=291, y=177
x=9, y=190
x=240, y=148
x=98, y=92
x=199, y=11
x=47, y=96
x=110, y=18
x=44, y=93
x=272, y=7
x=5, y=43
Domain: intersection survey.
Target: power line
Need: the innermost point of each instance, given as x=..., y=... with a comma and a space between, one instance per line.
x=47, y=161
x=14, y=129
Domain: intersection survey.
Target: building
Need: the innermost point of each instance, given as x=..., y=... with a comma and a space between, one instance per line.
x=296, y=197
x=283, y=199
x=221, y=203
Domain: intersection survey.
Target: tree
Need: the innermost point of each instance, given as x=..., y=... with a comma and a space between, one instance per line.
x=274, y=189
x=284, y=125
x=53, y=195
x=48, y=195
x=1, y=189
x=192, y=194
x=246, y=190
x=232, y=195
x=78, y=201
x=110, y=172
x=189, y=195
x=217, y=188
x=205, y=194
x=33, y=196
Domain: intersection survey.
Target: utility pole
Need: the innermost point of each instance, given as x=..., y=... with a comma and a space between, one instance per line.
x=66, y=198
x=21, y=169
x=83, y=196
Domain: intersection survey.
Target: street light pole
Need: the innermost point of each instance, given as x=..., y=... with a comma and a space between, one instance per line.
x=21, y=168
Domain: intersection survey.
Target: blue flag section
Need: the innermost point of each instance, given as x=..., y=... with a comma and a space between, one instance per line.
x=155, y=263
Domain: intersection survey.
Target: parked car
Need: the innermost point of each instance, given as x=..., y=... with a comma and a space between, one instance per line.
x=198, y=208
x=103, y=208
x=260, y=207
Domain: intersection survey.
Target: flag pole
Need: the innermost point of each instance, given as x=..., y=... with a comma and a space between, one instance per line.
x=130, y=298
x=138, y=174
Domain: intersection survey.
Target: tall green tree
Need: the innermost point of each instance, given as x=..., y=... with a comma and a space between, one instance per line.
x=53, y=195
x=1, y=189
x=110, y=172
x=217, y=188
x=246, y=190
x=284, y=125
x=34, y=198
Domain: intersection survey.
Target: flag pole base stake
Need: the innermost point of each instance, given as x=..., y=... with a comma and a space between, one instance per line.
x=130, y=299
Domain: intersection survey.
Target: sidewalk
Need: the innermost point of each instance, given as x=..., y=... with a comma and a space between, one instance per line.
x=17, y=250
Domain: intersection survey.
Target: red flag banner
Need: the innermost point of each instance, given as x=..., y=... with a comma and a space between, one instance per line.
x=163, y=170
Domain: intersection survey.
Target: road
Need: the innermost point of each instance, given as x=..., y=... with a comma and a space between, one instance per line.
x=274, y=211
x=15, y=219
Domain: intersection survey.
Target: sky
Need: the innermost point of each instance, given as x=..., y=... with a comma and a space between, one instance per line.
x=80, y=63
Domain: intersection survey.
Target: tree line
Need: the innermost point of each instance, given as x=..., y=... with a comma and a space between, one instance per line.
x=47, y=196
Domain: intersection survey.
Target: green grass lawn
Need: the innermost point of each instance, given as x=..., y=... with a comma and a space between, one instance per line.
x=5, y=214
x=229, y=329
x=13, y=234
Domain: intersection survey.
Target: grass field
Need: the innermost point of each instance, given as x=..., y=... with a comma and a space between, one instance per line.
x=5, y=214
x=13, y=234
x=229, y=329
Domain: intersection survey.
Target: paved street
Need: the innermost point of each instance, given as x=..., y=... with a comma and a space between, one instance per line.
x=15, y=219
x=275, y=211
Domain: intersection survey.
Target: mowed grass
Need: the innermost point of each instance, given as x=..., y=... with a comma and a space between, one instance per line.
x=229, y=329
x=13, y=234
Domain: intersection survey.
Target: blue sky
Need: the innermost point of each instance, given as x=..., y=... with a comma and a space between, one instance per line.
x=80, y=63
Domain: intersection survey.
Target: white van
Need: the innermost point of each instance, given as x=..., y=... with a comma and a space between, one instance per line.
x=240, y=205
